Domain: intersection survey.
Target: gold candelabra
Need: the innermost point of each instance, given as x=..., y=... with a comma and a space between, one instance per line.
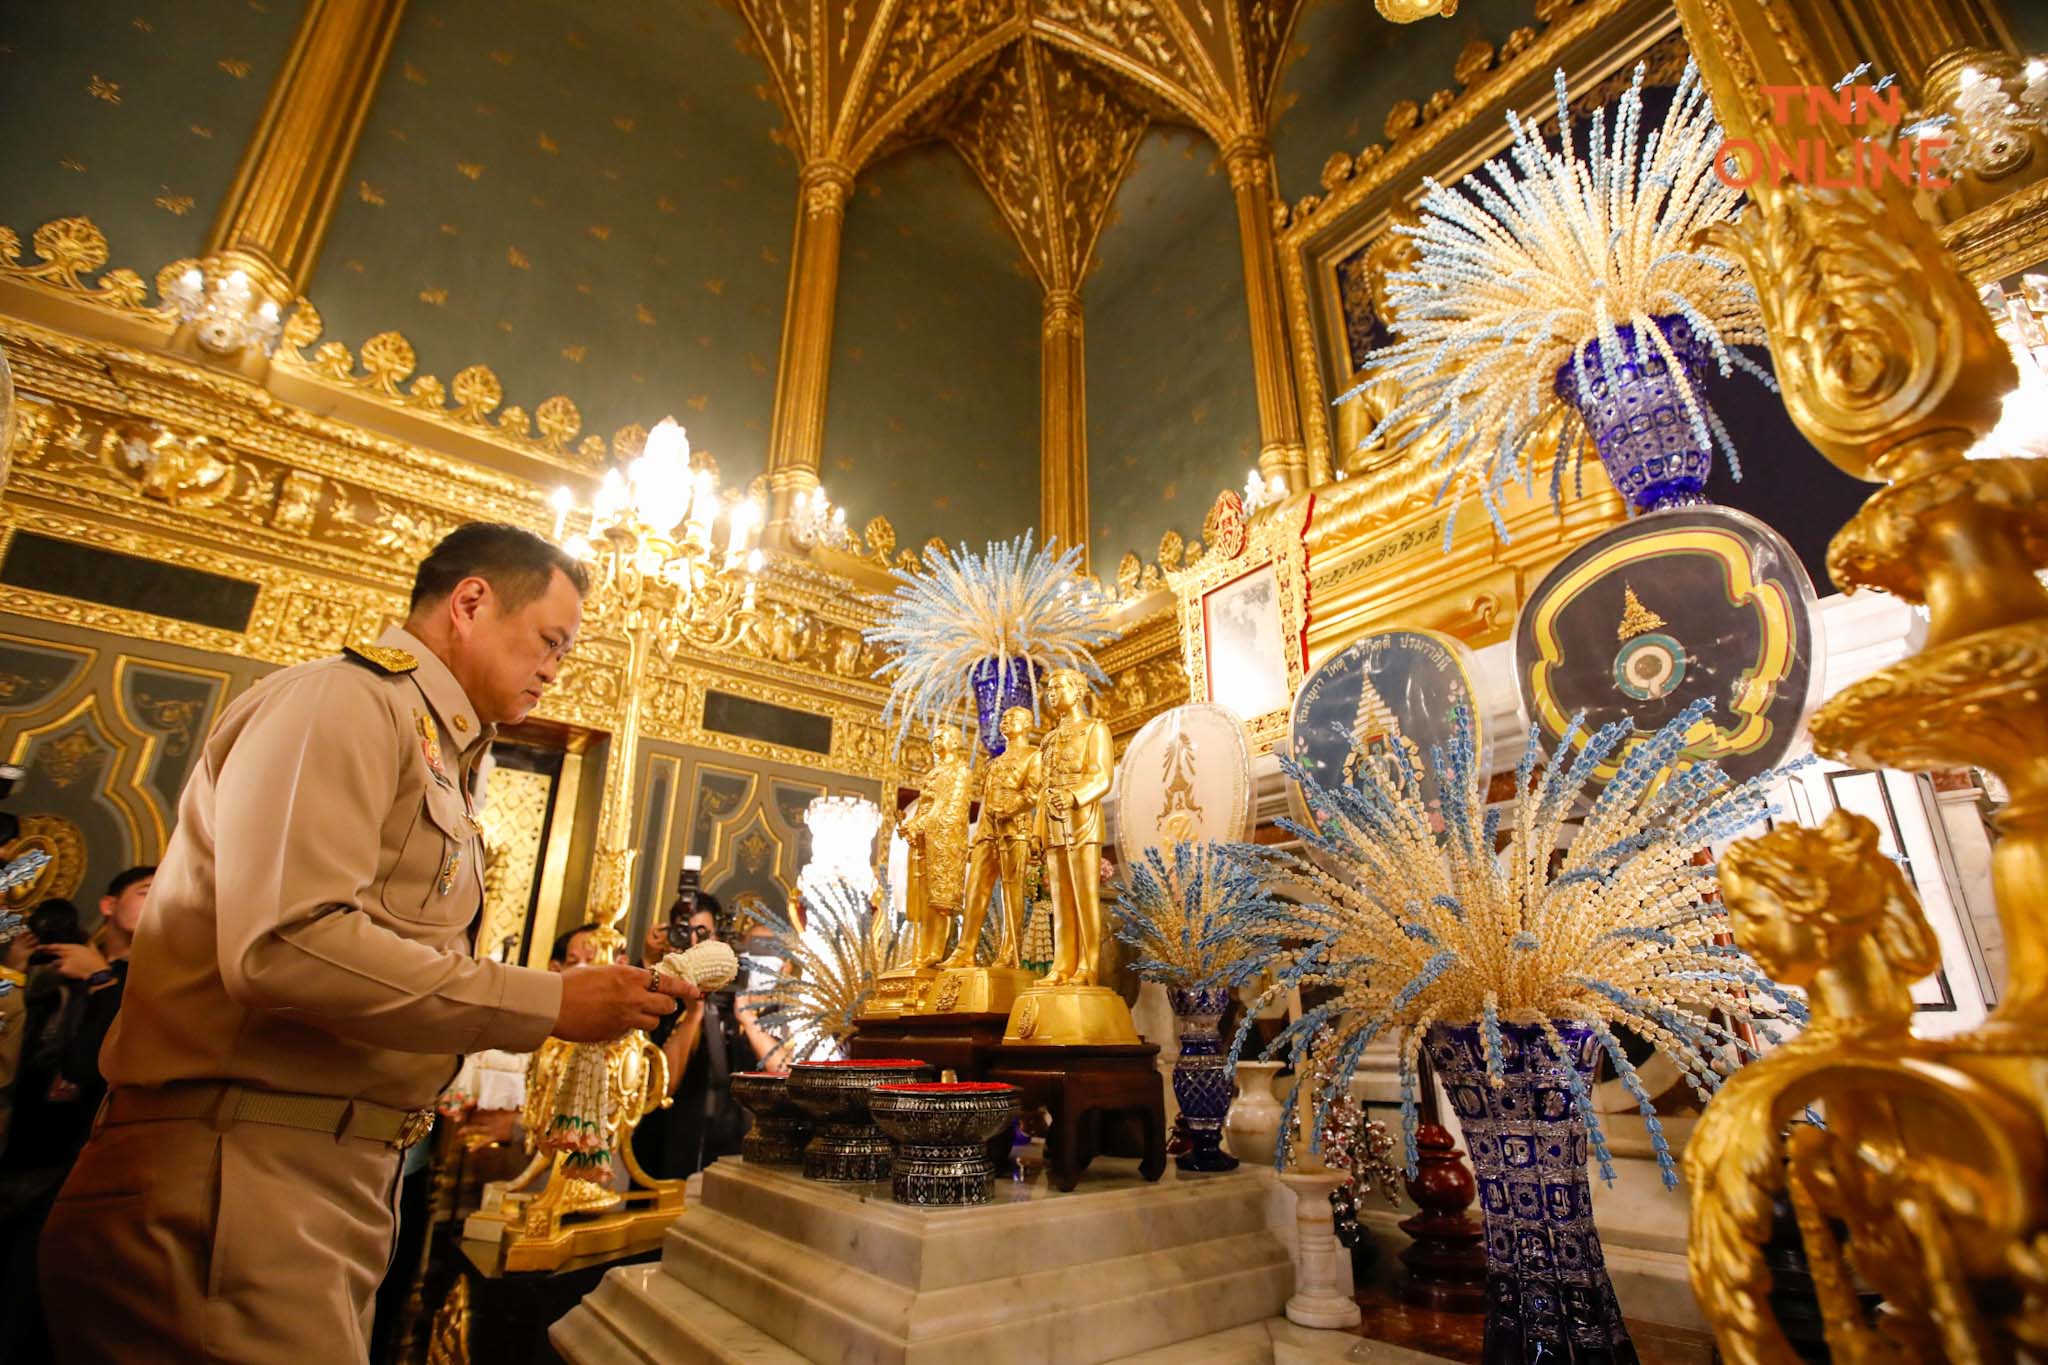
x=661, y=574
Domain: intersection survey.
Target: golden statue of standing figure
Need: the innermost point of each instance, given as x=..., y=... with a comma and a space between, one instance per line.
x=999, y=856
x=937, y=832
x=1001, y=851
x=1068, y=1005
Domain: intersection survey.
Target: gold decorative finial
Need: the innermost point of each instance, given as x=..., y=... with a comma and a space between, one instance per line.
x=1636, y=619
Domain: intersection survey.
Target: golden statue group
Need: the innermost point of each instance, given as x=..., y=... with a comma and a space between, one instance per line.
x=1037, y=804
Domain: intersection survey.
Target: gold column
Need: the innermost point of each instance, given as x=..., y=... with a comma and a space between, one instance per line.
x=1250, y=161
x=1932, y=1163
x=796, y=436
x=1902, y=36
x=1063, y=423
x=276, y=213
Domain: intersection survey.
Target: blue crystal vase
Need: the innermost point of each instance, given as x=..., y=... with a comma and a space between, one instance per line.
x=1548, y=1297
x=996, y=691
x=1637, y=420
x=1202, y=1080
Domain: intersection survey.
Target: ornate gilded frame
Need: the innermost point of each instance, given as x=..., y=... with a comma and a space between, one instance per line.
x=1596, y=42
x=1276, y=544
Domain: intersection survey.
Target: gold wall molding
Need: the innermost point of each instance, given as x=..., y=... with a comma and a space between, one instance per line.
x=1444, y=135
x=2003, y=238
x=328, y=520
x=276, y=213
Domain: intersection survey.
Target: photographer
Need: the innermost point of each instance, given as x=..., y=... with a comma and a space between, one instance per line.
x=58, y=1086
x=705, y=1044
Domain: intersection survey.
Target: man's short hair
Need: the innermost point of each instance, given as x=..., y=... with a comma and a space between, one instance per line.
x=517, y=564
x=563, y=940
x=123, y=880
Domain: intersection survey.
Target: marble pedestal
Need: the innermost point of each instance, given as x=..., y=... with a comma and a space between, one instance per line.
x=838, y=1273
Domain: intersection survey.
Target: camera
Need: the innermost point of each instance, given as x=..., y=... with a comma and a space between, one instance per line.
x=689, y=884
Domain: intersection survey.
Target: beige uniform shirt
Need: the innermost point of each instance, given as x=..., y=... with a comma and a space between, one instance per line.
x=310, y=925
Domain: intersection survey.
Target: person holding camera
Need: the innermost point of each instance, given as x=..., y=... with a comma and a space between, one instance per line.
x=58, y=1083
x=705, y=1044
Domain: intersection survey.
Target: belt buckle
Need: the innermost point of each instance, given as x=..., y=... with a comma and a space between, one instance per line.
x=416, y=1124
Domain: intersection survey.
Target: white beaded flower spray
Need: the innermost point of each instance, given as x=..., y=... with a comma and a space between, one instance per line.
x=1519, y=267
x=960, y=609
x=1607, y=925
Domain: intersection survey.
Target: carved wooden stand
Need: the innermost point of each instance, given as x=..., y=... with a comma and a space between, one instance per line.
x=1086, y=1089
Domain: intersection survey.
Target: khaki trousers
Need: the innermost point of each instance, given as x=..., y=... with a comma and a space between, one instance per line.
x=177, y=1241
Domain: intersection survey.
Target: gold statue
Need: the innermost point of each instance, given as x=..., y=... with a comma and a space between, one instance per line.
x=1001, y=851
x=937, y=831
x=1077, y=767
x=1929, y=1171
x=1068, y=1006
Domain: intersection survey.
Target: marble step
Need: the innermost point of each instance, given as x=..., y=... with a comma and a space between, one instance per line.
x=639, y=1316
x=840, y=1274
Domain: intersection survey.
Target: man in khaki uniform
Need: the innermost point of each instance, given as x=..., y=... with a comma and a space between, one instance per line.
x=303, y=983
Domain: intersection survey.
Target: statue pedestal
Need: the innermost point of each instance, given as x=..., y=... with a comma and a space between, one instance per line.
x=899, y=992
x=977, y=990
x=767, y=1267
x=1063, y=1015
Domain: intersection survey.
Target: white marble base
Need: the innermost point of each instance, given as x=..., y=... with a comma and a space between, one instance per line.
x=770, y=1267
x=638, y=1316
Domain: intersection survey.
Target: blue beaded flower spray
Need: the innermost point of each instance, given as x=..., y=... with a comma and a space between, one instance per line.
x=1421, y=924
x=1177, y=913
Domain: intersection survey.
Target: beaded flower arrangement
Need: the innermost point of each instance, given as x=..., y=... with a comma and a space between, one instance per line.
x=962, y=608
x=829, y=967
x=1419, y=927
x=1520, y=269
x=1177, y=914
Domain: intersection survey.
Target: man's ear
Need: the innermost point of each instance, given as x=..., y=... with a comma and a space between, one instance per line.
x=467, y=601
x=106, y=907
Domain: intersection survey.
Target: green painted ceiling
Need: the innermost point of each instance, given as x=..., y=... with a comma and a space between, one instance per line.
x=1172, y=417
x=585, y=198
x=933, y=409
x=133, y=113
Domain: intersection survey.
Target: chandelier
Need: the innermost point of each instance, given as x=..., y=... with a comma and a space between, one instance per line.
x=662, y=571
x=842, y=845
x=1992, y=122
x=813, y=520
x=225, y=313
x=2021, y=320
x=1260, y=491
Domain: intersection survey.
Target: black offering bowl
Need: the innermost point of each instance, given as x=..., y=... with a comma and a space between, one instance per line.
x=845, y=1145
x=942, y=1131
x=780, y=1126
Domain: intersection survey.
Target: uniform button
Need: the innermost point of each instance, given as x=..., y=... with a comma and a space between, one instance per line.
x=461, y=724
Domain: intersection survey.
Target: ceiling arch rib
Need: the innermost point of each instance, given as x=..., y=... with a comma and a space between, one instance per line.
x=914, y=64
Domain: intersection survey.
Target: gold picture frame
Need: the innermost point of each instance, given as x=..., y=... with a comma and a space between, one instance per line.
x=1248, y=597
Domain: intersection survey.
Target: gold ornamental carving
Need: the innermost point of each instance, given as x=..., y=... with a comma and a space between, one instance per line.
x=1929, y=1181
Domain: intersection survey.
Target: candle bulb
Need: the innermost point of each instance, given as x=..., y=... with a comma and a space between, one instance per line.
x=561, y=499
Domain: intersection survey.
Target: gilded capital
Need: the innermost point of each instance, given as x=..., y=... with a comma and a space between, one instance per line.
x=826, y=185
x=1250, y=162
x=1061, y=314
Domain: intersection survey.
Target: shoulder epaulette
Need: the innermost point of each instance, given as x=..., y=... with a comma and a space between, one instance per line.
x=382, y=658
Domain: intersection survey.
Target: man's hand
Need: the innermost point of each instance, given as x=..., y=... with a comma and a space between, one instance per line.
x=655, y=947
x=603, y=1000
x=77, y=961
